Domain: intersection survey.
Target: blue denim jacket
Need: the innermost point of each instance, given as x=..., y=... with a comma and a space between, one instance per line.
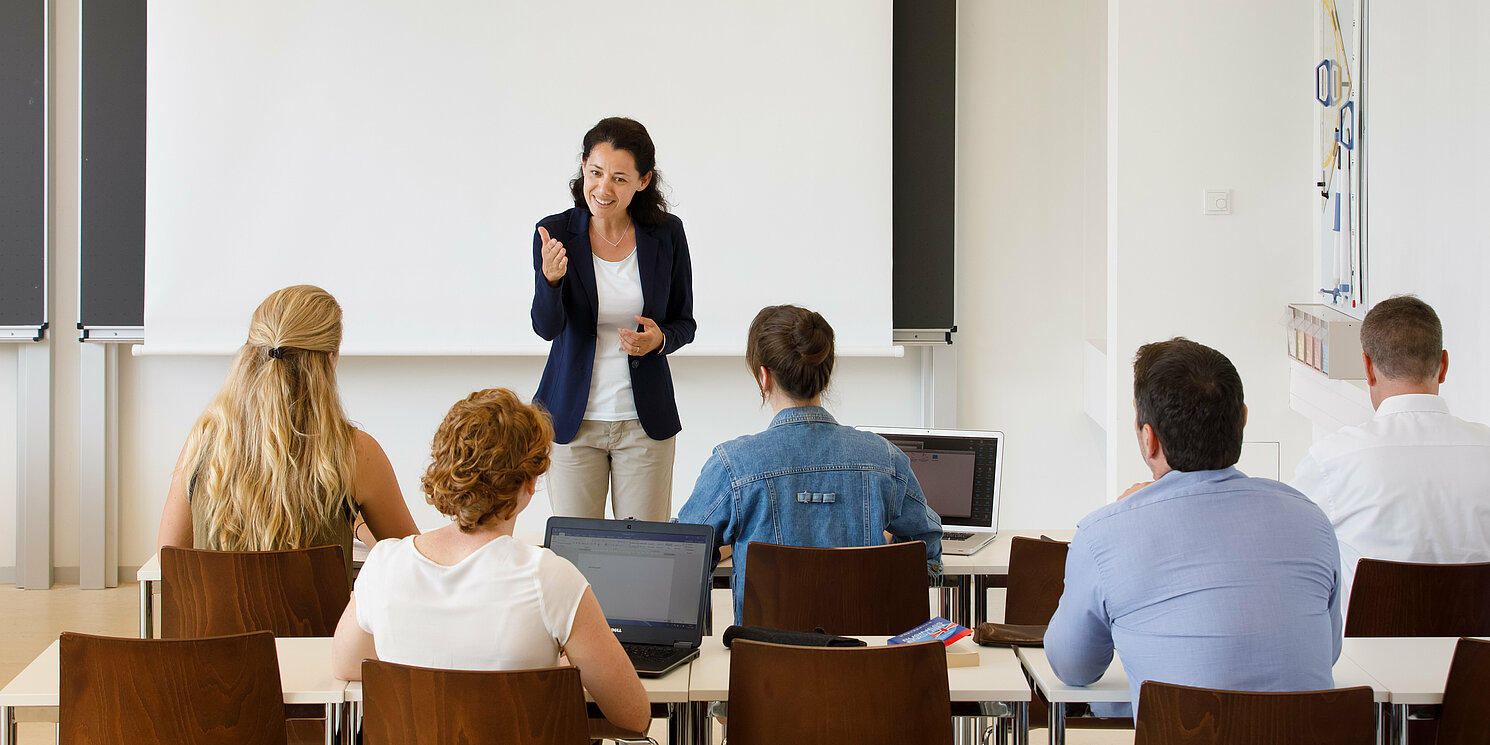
x=809, y=481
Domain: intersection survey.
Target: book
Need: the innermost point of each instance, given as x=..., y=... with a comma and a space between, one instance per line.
x=962, y=653
x=939, y=629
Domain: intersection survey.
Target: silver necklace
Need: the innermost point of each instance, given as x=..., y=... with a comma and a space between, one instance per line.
x=617, y=243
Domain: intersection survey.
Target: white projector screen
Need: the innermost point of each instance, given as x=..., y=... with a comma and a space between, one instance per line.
x=399, y=154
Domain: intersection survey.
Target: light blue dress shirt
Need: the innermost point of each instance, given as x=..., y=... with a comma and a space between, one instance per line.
x=1202, y=578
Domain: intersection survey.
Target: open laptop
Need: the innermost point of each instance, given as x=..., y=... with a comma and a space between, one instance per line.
x=651, y=579
x=959, y=472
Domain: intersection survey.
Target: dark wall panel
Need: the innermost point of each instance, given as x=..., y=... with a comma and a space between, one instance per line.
x=925, y=152
x=23, y=162
x=112, y=264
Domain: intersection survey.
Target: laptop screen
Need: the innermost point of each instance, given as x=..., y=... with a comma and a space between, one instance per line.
x=959, y=472
x=650, y=578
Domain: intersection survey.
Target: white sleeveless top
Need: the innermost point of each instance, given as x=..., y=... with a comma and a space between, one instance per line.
x=506, y=606
x=618, y=290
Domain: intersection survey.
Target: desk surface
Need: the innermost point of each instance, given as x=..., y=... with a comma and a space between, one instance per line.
x=997, y=676
x=1113, y=686
x=992, y=559
x=304, y=673
x=1413, y=668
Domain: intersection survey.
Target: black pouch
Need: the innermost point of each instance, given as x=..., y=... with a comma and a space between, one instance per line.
x=814, y=638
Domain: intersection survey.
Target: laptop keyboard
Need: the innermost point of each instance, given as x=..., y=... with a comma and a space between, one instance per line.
x=650, y=651
x=950, y=536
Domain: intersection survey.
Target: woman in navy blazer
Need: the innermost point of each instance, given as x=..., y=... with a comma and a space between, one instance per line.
x=613, y=316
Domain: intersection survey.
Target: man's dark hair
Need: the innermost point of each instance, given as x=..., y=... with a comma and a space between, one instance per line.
x=1191, y=396
x=1404, y=339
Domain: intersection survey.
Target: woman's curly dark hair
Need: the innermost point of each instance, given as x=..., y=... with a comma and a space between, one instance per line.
x=648, y=207
x=489, y=447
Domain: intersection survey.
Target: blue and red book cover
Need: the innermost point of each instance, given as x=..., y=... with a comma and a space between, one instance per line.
x=939, y=629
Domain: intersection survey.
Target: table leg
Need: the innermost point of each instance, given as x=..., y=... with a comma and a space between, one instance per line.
x=352, y=728
x=1021, y=723
x=702, y=729
x=7, y=726
x=147, y=615
x=1399, y=724
x=956, y=598
x=677, y=723
x=980, y=600
x=333, y=718
x=1057, y=723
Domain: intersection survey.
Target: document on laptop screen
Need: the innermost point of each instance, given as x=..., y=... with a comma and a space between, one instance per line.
x=638, y=579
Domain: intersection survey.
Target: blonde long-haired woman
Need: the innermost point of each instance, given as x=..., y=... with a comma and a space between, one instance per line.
x=273, y=462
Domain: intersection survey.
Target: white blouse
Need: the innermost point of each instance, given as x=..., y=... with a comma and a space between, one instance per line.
x=506, y=606
x=618, y=290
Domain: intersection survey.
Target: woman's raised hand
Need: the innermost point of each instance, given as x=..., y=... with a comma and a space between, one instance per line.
x=555, y=260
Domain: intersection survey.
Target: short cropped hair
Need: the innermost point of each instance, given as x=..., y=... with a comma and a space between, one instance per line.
x=1191, y=396
x=490, y=445
x=1404, y=339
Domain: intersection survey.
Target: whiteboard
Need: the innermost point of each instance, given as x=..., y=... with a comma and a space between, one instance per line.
x=399, y=154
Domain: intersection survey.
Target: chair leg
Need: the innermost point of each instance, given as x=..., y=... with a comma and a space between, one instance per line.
x=1057, y=723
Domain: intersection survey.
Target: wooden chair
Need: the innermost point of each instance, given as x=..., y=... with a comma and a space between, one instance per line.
x=825, y=696
x=301, y=592
x=223, y=690
x=1181, y=715
x=1464, y=720
x=1392, y=598
x=298, y=592
x=879, y=590
x=1037, y=577
x=403, y=704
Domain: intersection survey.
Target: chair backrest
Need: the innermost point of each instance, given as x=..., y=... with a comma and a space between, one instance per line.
x=1465, y=720
x=1037, y=577
x=1181, y=715
x=828, y=695
x=1392, y=598
x=875, y=590
x=404, y=704
x=301, y=592
x=223, y=690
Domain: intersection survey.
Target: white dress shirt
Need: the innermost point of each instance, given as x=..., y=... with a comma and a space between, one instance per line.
x=506, y=606
x=1412, y=484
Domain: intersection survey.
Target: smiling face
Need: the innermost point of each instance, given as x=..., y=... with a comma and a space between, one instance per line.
x=611, y=180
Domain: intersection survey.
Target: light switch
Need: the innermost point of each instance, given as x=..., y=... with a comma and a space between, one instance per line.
x=1217, y=202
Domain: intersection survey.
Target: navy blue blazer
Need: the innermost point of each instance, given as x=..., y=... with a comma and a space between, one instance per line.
x=565, y=315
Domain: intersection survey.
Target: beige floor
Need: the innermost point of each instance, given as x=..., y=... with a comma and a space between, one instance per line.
x=32, y=619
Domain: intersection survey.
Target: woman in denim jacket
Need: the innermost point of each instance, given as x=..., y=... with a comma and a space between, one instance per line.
x=807, y=480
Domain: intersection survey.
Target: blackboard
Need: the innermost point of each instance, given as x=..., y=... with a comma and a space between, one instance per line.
x=111, y=264
x=924, y=153
x=23, y=166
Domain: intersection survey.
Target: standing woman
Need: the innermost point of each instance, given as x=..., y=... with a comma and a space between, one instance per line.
x=614, y=313
x=273, y=462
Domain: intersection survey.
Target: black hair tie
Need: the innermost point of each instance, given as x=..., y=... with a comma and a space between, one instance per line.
x=277, y=353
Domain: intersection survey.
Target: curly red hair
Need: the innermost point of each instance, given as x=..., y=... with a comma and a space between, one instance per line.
x=489, y=447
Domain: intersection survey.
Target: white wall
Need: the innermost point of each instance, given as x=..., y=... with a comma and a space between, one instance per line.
x=401, y=401
x=1026, y=152
x=1427, y=166
x=1208, y=95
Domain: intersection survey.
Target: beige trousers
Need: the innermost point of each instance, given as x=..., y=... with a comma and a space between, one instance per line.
x=617, y=457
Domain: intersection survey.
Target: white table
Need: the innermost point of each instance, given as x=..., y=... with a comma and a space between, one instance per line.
x=304, y=673
x=1112, y=687
x=966, y=579
x=996, y=679
x=1413, y=668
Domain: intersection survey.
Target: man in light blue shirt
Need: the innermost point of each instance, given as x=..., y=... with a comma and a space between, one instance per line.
x=1203, y=577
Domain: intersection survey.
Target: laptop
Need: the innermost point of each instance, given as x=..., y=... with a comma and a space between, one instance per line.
x=959, y=472
x=651, y=579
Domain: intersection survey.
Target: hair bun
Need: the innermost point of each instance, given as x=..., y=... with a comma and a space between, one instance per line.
x=812, y=337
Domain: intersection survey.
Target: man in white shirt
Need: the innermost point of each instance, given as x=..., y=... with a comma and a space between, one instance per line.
x=1413, y=483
